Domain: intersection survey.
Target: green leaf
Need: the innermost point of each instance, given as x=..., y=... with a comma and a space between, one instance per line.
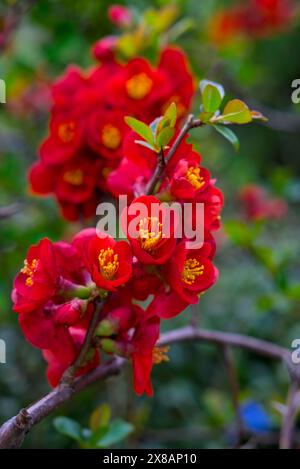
x=171, y=114
x=140, y=128
x=68, y=427
x=117, y=431
x=211, y=98
x=100, y=417
x=204, y=83
x=154, y=126
x=165, y=136
x=229, y=135
x=237, y=112
x=145, y=144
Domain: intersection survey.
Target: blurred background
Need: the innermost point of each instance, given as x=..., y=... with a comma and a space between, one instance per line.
x=258, y=292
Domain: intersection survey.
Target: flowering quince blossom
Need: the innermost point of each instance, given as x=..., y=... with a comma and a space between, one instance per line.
x=87, y=129
x=252, y=18
x=57, y=291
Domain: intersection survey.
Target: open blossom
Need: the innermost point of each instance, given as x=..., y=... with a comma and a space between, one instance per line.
x=150, y=233
x=258, y=205
x=190, y=272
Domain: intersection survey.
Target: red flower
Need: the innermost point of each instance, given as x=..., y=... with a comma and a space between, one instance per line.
x=138, y=88
x=190, y=272
x=144, y=281
x=105, y=133
x=61, y=357
x=213, y=201
x=120, y=15
x=149, y=232
x=108, y=261
x=104, y=49
x=66, y=133
x=143, y=342
x=182, y=86
x=189, y=180
x=37, y=281
x=259, y=206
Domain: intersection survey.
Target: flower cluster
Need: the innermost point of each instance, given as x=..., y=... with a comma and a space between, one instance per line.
x=87, y=127
x=61, y=285
x=254, y=18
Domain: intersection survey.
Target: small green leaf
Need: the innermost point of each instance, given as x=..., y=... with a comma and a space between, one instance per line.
x=171, y=114
x=140, y=128
x=229, y=135
x=204, y=83
x=165, y=136
x=237, y=112
x=211, y=98
x=118, y=431
x=68, y=427
x=154, y=126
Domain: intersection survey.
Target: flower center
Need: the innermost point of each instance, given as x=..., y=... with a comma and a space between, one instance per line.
x=111, y=137
x=66, y=132
x=160, y=354
x=139, y=86
x=150, y=230
x=194, y=178
x=74, y=177
x=29, y=270
x=109, y=263
x=191, y=270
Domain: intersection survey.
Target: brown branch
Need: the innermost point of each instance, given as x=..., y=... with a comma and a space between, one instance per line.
x=158, y=173
x=69, y=374
x=8, y=211
x=14, y=430
x=235, y=390
x=292, y=408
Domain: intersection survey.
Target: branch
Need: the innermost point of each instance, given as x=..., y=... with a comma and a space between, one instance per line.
x=7, y=211
x=14, y=430
x=69, y=374
x=189, y=124
x=292, y=408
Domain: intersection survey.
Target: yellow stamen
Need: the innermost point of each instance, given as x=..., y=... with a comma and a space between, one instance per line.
x=150, y=230
x=139, y=86
x=29, y=270
x=74, y=177
x=66, y=132
x=193, y=176
x=191, y=270
x=111, y=137
x=160, y=354
x=109, y=263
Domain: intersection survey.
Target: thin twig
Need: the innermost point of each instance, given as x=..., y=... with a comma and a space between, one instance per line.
x=13, y=431
x=157, y=173
x=69, y=374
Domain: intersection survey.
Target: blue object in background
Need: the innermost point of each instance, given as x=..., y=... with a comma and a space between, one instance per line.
x=255, y=418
